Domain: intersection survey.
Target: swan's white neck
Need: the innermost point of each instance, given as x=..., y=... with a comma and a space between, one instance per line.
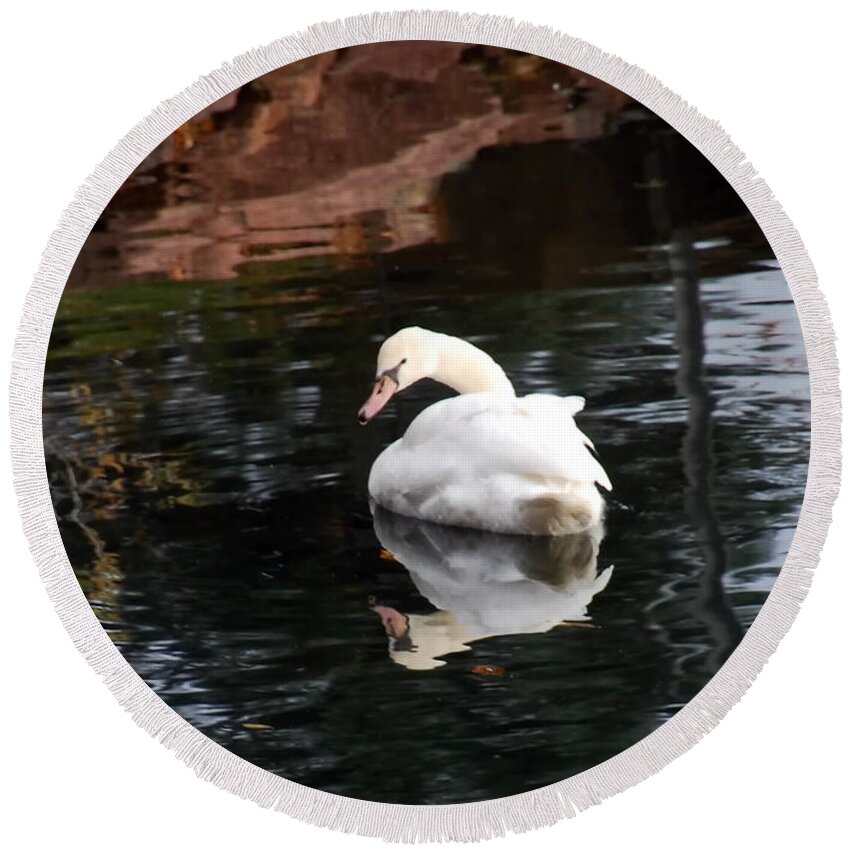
x=467, y=369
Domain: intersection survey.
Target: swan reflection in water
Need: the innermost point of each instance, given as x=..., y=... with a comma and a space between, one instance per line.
x=484, y=584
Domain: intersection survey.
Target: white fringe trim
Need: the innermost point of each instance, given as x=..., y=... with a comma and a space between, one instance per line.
x=468, y=821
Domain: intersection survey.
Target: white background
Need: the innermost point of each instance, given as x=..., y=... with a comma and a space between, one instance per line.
x=77, y=77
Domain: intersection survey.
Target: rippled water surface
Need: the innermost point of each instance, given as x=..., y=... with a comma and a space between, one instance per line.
x=209, y=476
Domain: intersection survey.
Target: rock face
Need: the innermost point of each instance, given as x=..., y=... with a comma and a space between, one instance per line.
x=340, y=155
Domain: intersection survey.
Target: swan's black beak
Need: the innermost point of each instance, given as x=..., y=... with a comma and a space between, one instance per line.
x=383, y=391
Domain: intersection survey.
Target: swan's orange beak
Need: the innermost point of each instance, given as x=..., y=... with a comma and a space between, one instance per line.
x=385, y=386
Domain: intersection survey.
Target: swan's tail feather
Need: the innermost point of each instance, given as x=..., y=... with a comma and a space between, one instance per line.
x=554, y=516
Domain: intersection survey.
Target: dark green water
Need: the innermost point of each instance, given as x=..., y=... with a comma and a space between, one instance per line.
x=209, y=479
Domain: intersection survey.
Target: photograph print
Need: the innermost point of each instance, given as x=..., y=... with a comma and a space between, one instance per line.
x=426, y=422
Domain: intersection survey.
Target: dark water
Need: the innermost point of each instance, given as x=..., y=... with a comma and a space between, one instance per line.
x=209, y=479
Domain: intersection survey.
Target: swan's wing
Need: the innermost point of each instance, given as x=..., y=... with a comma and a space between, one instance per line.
x=568, y=405
x=534, y=437
x=567, y=444
x=449, y=417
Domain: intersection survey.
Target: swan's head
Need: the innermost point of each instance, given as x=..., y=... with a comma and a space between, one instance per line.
x=405, y=358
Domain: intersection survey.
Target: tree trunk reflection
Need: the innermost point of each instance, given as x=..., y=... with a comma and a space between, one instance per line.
x=711, y=605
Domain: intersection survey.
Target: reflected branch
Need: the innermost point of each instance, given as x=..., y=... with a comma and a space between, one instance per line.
x=711, y=605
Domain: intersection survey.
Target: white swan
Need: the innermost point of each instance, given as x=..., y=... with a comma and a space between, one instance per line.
x=485, y=458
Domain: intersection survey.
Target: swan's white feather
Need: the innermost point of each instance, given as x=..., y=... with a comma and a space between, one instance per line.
x=494, y=461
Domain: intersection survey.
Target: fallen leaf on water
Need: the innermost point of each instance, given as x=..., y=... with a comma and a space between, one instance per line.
x=256, y=727
x=387, y=556
x=487, y=670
